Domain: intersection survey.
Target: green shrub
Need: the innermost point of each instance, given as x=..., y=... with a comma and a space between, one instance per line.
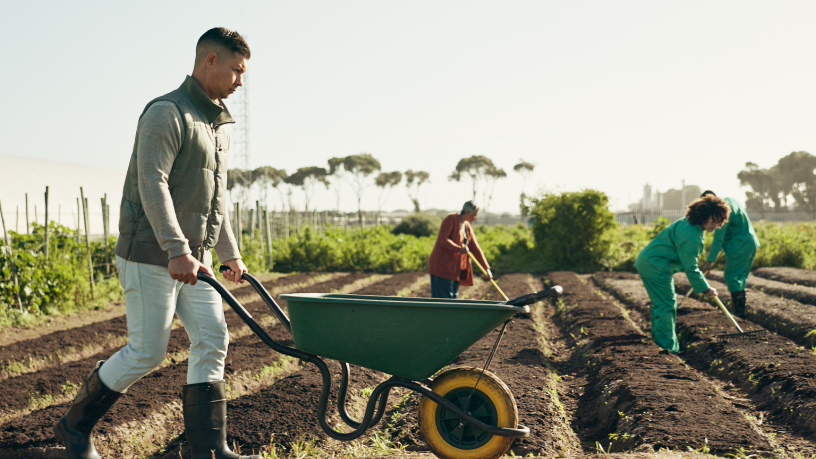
x=418, y=225
x=573, y=231
x=57, y=285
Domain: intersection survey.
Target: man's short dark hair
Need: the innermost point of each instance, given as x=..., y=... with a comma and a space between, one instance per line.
x=224, y=38
x=707, y=192
x=699, y=211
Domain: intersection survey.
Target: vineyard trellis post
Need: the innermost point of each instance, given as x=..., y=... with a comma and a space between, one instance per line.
x=46, y=223
x=79, y=211
x=268, y=240
x=258, y=215
x=87, y=238
x=237, y=229
x=27, y=220
x=251, y=223
x=106, y=232
x=11, y=258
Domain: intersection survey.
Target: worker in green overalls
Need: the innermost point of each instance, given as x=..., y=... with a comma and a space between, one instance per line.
x=676, y=249
x=738, y=240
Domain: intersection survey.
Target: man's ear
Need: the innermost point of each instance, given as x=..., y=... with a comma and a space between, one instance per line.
x=210, y=60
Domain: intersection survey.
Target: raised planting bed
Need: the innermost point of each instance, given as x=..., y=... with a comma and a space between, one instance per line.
x=788, y=275
x=521, y=364
x=149, y=414
x=776, y=372
x=789, y=318
x=635, y=397
x=800, y=293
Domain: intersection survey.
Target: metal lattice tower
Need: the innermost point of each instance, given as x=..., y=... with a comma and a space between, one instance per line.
x=239, y=148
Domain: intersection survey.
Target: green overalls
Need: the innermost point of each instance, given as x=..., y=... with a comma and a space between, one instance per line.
x=675, y=249
x=738, y=240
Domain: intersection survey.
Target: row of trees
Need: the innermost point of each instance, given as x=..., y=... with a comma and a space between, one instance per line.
x=792, y=178
x=361, y=170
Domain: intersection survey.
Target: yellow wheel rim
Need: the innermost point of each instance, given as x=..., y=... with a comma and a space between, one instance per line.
x=491, y=403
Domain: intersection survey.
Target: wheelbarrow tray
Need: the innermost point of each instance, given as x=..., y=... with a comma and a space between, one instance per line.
x=411, y=338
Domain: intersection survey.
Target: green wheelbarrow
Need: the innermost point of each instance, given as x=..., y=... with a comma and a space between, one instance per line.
x=464, y=412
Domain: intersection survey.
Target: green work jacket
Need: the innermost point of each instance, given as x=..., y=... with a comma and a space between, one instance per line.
x=737, y=235
x=675, y=249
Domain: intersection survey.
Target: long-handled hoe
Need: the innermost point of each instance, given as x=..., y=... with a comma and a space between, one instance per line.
x=742, y=335
x=484, y=271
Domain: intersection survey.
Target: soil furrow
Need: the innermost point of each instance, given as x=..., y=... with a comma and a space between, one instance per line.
x=789, y=318
x=79, y=344
x=800, y=293
x=521, y=364
x=773, y=370
x=788, y=275
x=156, y=395
x=637, y=397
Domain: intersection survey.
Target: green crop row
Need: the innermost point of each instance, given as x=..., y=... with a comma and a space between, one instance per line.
x=59, y=284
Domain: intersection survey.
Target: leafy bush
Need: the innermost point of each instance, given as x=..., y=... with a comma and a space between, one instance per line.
x=573, y=231
x=418, y=225
x=57, y=285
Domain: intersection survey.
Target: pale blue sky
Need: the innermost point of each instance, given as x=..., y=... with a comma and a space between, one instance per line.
x=605, y=95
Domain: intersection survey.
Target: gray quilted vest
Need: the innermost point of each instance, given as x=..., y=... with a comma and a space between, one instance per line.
x=197, y=182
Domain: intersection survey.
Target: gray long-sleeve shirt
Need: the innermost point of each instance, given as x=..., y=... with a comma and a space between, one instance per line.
x=161, y=132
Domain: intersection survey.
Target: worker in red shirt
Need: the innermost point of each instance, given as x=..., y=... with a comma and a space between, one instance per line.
x=449, y=264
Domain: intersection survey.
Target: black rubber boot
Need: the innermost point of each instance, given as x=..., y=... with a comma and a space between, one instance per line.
x=75, y=429
x=738, y=300
x=205, y=421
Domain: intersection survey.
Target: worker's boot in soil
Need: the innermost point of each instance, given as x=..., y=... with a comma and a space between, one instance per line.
x=75, y=429
x=738, y=300
x=205, y=421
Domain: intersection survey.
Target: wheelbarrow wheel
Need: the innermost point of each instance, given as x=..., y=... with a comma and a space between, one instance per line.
x=492, y=403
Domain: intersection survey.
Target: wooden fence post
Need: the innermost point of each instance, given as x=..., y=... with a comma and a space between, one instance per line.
x=11, y=256
x=105, y=231
x=258, y=215
x=27, y=220
x=238, y=237
x=87, y=238
x=268, y=238
x=46, y=223
x=286, y=225
x=79, y=212
x=251, y=223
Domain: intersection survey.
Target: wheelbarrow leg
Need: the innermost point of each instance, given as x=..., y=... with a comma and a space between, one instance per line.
x=341, y=401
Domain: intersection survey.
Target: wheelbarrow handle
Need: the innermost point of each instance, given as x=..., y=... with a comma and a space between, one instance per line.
x=536, y=297
x=265, y=296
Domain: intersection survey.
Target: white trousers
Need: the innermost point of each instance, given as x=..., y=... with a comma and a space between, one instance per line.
x=151, y=299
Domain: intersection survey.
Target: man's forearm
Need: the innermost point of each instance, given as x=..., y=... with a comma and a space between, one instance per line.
x=227, y=246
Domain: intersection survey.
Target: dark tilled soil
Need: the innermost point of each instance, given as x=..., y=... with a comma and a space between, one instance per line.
x=789, y=318
x=153, y=392
x=279, y=283
x=800, y=293
x=65, y=342
x=520, y=363
x=788, y=275
x=51, y=381
x=395, y=284
x=635, y=397
x=778, y=374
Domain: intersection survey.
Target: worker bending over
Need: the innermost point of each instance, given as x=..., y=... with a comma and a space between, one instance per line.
x=738, y=240
x=676, y=249
x=449, y=264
